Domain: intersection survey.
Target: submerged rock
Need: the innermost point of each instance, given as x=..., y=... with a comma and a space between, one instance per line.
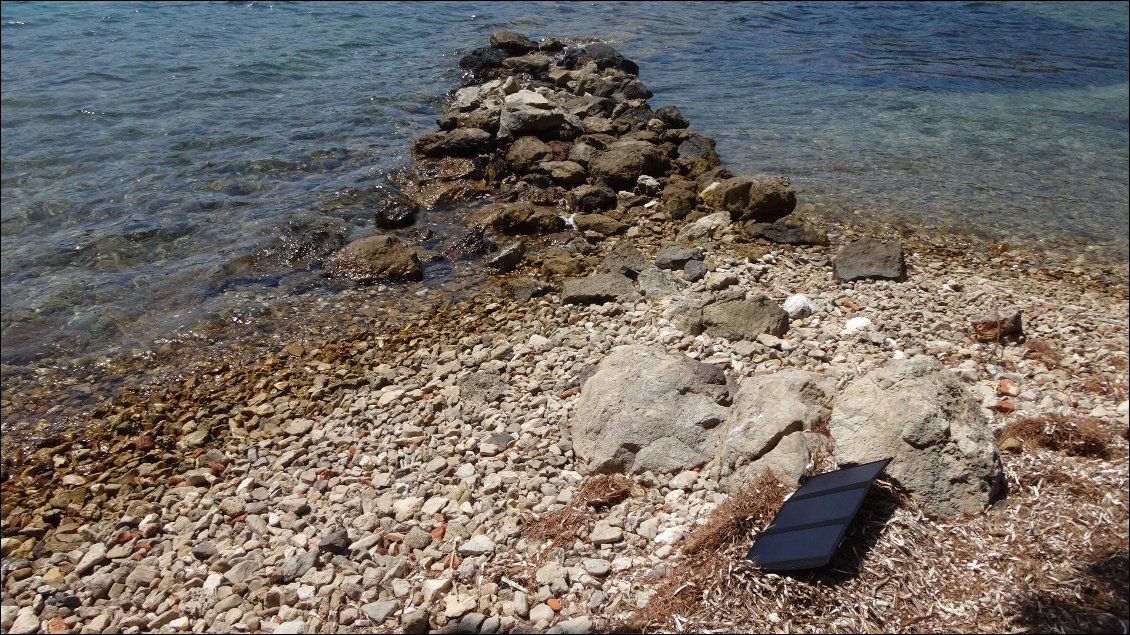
x=374, y=259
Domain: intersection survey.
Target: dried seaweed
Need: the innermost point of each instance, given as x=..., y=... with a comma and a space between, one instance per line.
x=1071, y=434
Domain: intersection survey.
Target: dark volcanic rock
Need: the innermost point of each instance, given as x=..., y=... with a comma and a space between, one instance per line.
x=526, y=153
x=512, y=43
x=625, y=260
x=588, y=199
x=519, y=218
x=675, y=257
x=470, y=242
x=678, y=202
x=460, y=142
x=483, y=62
x=526, y=288
x=622, y=164
x=602, y=54
x=788, y=233
x=395, y=213
x=600, y=224
x=870, y=258
x=671, y=116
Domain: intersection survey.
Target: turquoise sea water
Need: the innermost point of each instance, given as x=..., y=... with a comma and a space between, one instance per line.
x=144, y=145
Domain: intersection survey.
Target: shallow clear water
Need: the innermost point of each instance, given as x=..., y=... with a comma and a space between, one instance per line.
x=145, y=145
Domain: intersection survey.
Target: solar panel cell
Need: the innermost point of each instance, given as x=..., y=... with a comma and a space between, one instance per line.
x=809, y=526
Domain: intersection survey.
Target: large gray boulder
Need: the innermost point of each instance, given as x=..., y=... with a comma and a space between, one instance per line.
x=374, y=259
x=645, y=409
x=744, y=319
x=918, y=413
x=767, y=410
x=870, y=258
x=758, y=198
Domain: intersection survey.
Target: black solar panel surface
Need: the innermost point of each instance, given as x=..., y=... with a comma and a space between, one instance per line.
x=809, y=526
x=836, y=506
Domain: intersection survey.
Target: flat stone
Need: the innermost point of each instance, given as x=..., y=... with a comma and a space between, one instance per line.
x=541, y=613
x=26, y=621
x=599, y=289
x=378, y=612
x=478, y=545
x=406, y=508
x=576, y=625
x=299, y=427
x=596, y=566
x=95, y=556
x=292, y=627
x=142, y=575
x=434, y=587
x=604, y=534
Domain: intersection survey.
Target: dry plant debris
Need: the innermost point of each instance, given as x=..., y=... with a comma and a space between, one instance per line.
x=600, y=491
x=1075, y=435
x=1049, y=558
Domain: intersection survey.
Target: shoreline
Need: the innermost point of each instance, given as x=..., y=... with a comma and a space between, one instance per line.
x=348, y=474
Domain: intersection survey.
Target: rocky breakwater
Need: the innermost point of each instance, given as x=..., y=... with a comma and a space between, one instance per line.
x=667, y=321
x=549, y=149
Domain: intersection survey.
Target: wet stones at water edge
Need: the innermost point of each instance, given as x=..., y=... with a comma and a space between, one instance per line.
x=870, y=258
x=563, y=140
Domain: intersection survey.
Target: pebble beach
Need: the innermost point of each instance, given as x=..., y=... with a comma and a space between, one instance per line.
x=368, y=465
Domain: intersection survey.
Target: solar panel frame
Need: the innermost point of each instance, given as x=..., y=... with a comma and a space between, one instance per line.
x=800, y=536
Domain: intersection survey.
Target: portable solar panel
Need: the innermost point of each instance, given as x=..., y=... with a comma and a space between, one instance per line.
x=809, y=526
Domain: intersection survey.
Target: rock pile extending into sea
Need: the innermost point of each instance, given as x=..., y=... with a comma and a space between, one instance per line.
x=650, y=314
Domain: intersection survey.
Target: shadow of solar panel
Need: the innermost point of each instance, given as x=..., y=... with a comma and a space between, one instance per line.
x=809, y=526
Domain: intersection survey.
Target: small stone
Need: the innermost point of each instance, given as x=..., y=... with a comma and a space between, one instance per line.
x=336, y=542
x=299, y=427
x=292, y=627
x=855, y=325
x=92, y=558
x=477, y=546
x=457, y=605
x=413, y=622
x=378, y=612
x=694, y=270
x=576, y=625
x=26, y=621
x=1008, y=388
x=541, y=613
x=142, y=575
x=995, y=325
x=596, y=567
x=683, y=480
x=604, y=534
x=1011, y=445
x=204, y=550
x=431, y=588
x=471, y=622
x=799, y=306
